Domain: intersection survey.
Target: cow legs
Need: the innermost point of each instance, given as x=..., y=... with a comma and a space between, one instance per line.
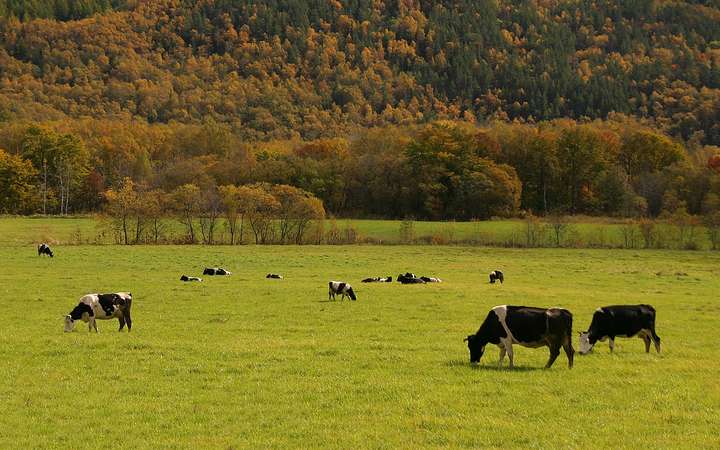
x=655, y=339
x=612, y=344
x=508, y=348
x=121, y=319
x=502, y=355
x=569, y=351
x=128, y=320
x=646, y=339
x=93, y=323
x=554, y=352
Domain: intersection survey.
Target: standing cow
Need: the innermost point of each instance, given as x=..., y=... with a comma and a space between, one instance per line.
x=44, y=249
x=496, y=275
x=530, y=327
x=609, y=322
x=342, y=288
x=103, y=307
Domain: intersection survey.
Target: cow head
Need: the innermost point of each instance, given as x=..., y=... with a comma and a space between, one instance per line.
x=351, y=293
x=69, y=323
x=585, y=345
x=476, y=348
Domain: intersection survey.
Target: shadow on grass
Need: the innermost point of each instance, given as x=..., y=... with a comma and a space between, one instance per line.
x=490, y=367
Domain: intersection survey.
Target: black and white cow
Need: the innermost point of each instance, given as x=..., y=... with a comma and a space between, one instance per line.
x=187, y=278
x=44, y=249
x=274, y=275
x=431, y=279
x=530, y=327
x=409, y=278
x=342, y=288
x=496, y=275
x=103, y=307
x=216, y=271
x=610, y=322
x=378, y=280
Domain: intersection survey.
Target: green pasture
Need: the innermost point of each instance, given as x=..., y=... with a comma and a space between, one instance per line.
x=241, y=361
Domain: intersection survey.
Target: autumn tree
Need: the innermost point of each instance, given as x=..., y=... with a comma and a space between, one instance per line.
x=186, y=203
x=17, y=176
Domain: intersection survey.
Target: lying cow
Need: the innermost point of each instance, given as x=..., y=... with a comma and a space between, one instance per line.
x=409, y=278
x=44, y=249
x=431, y=279
x=609, y=322
x=103, y=307
x=496, y=275
x=527, y=326
x=378, y=280
x=274, y=275
x=216, y=271
x=187, y=278
x=342, y=288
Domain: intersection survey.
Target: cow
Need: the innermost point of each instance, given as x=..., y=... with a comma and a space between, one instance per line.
x=216, y=271
x=274, y=275
x=187, y=278
x=496, y=275
x=409, y=278
x=378, y=280
x=431, y=279
x=103, y=307
x=610, y=322
x=530, y=327
x=44, y=249
x=340, y=287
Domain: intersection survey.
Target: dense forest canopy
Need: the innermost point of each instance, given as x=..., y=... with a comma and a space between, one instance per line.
x=316, y=68
x=442, y=110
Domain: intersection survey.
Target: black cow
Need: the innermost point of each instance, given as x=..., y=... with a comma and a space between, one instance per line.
x=527, y=326
x=342, y=288
x=215, y=271
x=621, y=320
x=496, y=275
x=187, y=278
x=274, y=275
x=431, y=279
x=409, y=278
x=378, y=280
x=44, y=249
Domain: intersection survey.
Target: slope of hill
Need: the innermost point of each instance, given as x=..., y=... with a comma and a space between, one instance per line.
x=311, y=68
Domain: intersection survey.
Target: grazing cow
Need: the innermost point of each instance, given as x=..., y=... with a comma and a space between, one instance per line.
x=609, y=322
x=187, y=278
x=431, y=279
x=342, y=288
x=103, y=307
x=274, y=275
x=216, y=271
x=409, y=278
x=527, y=326
x=44, y=249
x=378, y=280
x=496, y=275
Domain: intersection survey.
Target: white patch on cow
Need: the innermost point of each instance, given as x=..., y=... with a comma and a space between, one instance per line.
x=612, y=345
x=585, y=346
x=501, y=313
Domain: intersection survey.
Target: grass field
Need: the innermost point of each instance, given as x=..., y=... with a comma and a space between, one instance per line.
x=242, y=361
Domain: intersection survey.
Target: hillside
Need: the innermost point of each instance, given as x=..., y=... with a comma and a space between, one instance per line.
x=309, y=68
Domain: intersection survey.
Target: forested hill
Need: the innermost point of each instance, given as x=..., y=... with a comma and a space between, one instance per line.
x=316, y=68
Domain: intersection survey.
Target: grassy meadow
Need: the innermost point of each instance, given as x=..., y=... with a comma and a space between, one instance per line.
x=241, y=361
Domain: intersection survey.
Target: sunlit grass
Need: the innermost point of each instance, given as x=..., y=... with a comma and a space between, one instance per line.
x=243, y=361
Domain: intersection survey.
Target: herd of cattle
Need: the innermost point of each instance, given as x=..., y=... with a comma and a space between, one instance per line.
x=504, y=325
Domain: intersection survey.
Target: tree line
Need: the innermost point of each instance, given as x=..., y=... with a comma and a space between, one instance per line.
x=444, y=170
